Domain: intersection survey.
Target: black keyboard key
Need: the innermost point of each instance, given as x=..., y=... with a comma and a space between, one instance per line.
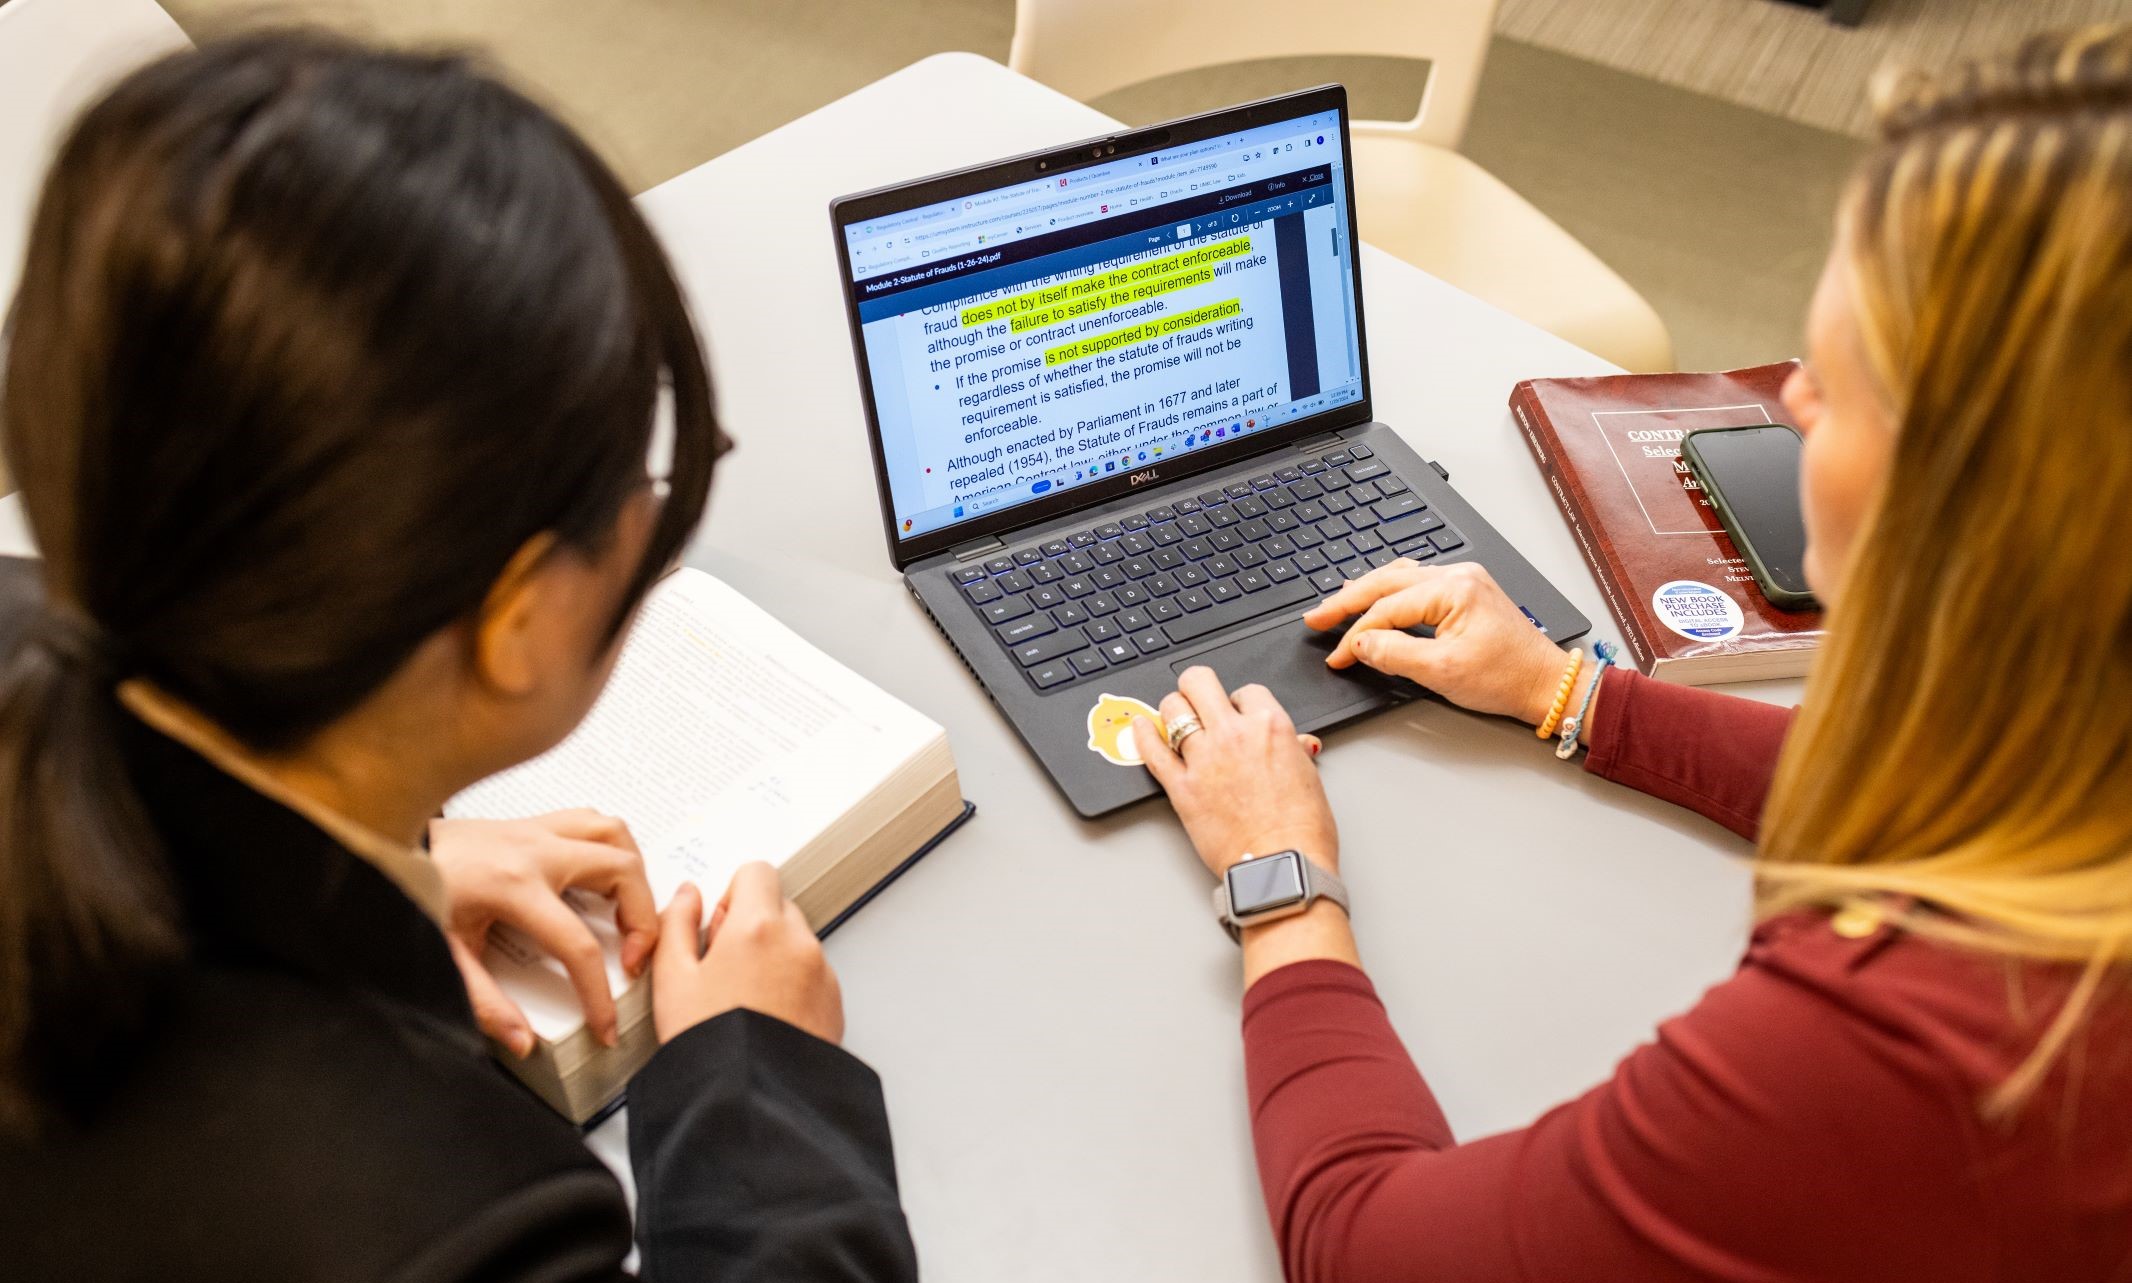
x=1044, y=597
x=1163, y=610
x=1162, y=514
x=1193, y=599
x=982, y=591
x=1381, y=557
x=1281, y=572
x=1211, y=497
x=1167, y=559
x=1327, y=580
x=1000, y=565
x=1082, y=539
x=1050, y=675
x=1363, y=492
x=1390, y=485
x=1247, y=508
x=1334, y=480
x=1151, y=641
x=1137, y=567
x=999, y=612
x=1337, y=503
x=1361, y=519
x=1027, y=628
x=1185, y=506
x=1333, y=527
x=1311, y=467
x=1263, y=481
x=1310, y=513
x=1288, y=474
x=1194, y=525
x=1239, y=607
x=1226, y=540
x=1131, y=595
x=1224, y=590
x=1339, y=457
x=1106, y=553
x=1254, y=530
x=1306, y=537
x=1365, y=541
x=1027, y=557
x=1055, y=646
x=1056, y=548
x=967, y=574
x=1395, y=505
x=1101, y=604
x=1249, y=556
x=1401, y=528
x=1133, y=621
x=1068, y=615
x=1253, y=581
x=1086, y=662
x=1275, y=500
x=1013, y=581
x=1362, y=452
x=1354, y=569
x=1278, y=546
x=1103, y=630
x=1305, y=490
x=1159, y=585
x=1309, y=559
x=1134, y=522
x=1109, y=530
x=1078, y=586
x=1337, y=551
x=1224, y=516
x=1046, y=572
x=1136, y=545
x=1447, y=540
x=1221, y=564
x=1237, y=490
x=1192, y=576
x=1197, y=549
x=1415, y=548
x=1108, y=576
x=1165, y=535
x=1076, y=563
x=1364, y=471
x=1119, y=652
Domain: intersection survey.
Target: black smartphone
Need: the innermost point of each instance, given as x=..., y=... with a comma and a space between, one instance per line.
x=1752, y=474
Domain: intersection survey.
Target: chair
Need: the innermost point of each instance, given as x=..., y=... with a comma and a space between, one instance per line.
x=1419, y=198
x=56, y=55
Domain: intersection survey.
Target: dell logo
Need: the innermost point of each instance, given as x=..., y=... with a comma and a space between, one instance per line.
x=1144, y=476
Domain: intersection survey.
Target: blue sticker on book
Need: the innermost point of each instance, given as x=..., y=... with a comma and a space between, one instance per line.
x=1697, y=611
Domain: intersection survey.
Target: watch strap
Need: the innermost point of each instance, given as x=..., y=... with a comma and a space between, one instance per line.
x=1318, y=882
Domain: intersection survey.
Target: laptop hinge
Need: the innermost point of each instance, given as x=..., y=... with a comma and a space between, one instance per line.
x=977, y=548
x=1319, y=442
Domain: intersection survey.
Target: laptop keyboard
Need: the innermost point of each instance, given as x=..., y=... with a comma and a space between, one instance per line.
x=1072, y=607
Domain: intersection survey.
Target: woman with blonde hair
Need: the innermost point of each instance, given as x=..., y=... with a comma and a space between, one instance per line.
x=1920, y=1069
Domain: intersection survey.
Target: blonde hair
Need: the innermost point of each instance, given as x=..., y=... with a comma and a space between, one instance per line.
x=1967, y=735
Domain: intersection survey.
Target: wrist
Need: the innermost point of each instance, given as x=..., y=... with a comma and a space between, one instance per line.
x=1321, y=931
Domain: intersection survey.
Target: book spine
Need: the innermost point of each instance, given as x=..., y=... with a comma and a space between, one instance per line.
x=1533, y=423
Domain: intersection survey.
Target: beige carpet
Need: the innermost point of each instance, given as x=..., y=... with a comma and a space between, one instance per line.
x=1781, y=58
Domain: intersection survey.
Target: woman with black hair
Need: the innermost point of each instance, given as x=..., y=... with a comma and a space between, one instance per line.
x=330, y=388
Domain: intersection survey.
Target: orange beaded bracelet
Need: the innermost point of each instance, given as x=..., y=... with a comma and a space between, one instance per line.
x=1561, y=704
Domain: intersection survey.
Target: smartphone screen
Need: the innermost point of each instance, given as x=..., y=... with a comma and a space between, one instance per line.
x=1756, y=470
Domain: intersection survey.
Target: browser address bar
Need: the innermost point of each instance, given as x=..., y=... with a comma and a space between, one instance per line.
x=1053, y=201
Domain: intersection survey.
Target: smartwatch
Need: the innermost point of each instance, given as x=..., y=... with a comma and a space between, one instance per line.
x=1261, y=888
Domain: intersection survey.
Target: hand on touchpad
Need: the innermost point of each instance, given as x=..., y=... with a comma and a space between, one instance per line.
x=1289, y=660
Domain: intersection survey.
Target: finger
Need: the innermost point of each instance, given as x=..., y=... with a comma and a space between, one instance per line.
x=587, y=825
x=1429, y=601
x=494, y=1011
x=1311, y=744
x=1208, y=697
x=755, y=893
x=680, y=939
x=619, y=875
x=1358, y=595
x=1155, y=752
x=710, y=932
x=1257, y=700
x=555, y=926
x=1419, y=659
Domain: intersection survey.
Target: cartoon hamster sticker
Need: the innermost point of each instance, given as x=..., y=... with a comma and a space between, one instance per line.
x=1110, y=728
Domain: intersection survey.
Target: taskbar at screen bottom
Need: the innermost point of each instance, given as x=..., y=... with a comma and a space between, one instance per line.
x=1110, y=460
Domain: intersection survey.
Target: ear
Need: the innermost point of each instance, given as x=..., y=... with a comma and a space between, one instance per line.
x=506, y=650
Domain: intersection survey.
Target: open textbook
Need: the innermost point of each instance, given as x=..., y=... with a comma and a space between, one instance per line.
x=722, y=737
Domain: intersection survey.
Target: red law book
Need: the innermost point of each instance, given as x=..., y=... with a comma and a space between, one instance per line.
x=1609, y=447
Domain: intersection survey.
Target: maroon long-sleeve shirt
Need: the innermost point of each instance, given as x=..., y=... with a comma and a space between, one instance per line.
x=1815, y=1117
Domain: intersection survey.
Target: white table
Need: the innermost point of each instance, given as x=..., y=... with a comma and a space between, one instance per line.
x=1053, y=1012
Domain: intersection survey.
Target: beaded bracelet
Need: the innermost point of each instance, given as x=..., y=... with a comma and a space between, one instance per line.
x=1569, y=683
x=1573, y=725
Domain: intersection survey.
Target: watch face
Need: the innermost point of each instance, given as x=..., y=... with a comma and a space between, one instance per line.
x=1266, y=883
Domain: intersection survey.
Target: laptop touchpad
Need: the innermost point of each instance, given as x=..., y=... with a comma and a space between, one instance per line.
x=1289, y=660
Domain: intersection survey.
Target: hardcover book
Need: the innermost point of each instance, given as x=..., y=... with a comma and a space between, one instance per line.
x=722, y=737
x=1609, y=448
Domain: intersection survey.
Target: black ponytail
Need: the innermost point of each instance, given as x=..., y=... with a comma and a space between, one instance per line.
x=310, y=341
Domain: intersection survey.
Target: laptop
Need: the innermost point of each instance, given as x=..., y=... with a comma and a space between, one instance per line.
x=1118, y=394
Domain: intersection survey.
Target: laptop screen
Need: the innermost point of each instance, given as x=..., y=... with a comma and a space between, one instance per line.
x=1047, y=334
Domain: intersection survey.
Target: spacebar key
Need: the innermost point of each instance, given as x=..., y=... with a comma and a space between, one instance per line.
x=1216, y=618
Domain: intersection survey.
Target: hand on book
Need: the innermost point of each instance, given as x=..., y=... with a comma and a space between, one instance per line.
x=758, y=953
x=1486, y=655
x=514, y=872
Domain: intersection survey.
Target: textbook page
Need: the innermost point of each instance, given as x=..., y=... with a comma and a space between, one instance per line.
x=722, y=737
